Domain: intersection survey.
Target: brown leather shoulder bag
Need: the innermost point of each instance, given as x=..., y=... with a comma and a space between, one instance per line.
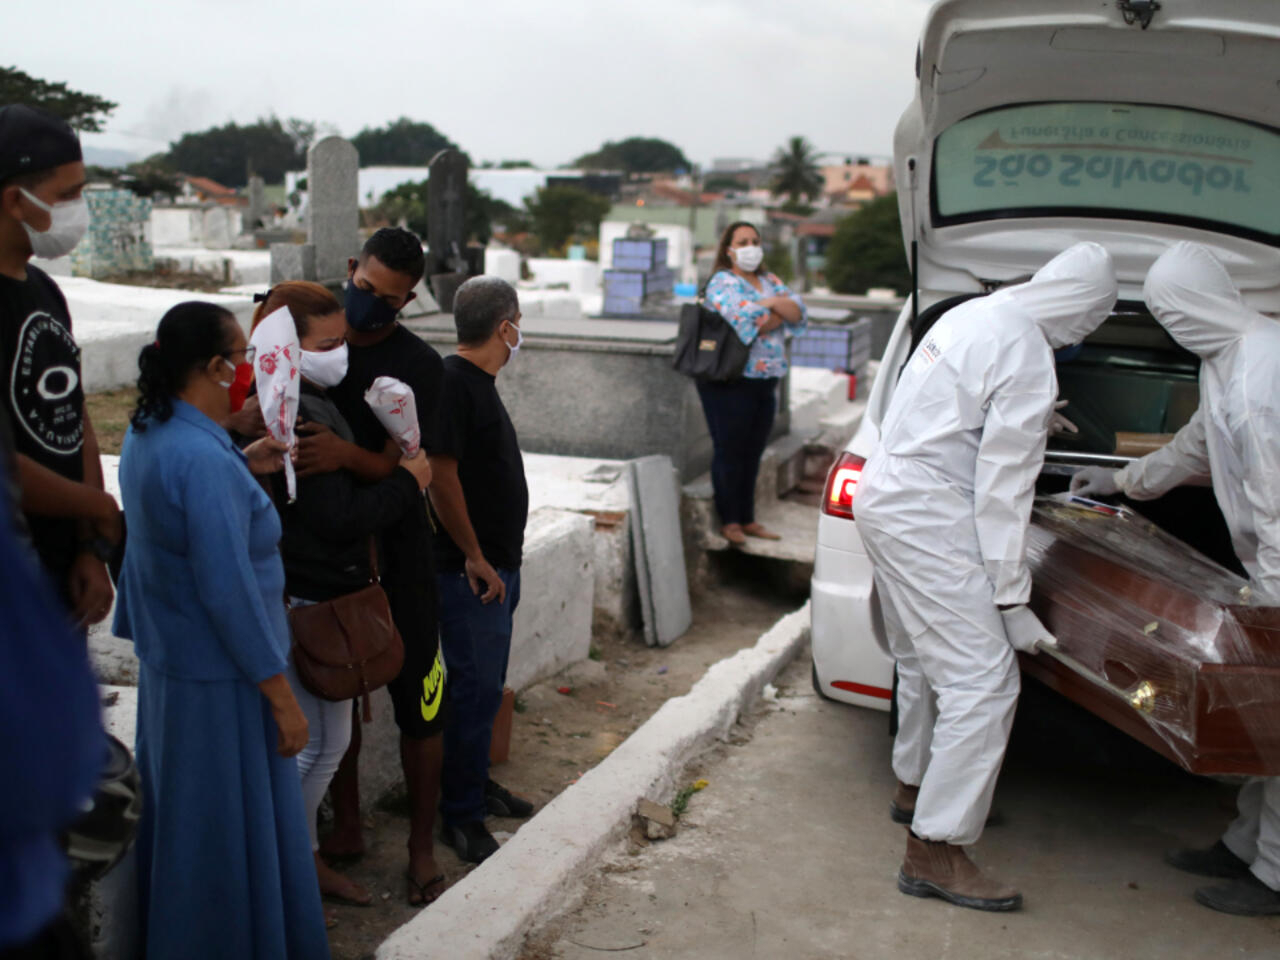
x=348, y=646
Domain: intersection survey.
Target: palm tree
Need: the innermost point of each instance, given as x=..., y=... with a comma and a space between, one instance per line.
x=796, y=173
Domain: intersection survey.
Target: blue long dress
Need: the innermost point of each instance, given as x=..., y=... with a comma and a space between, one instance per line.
x=225, y=867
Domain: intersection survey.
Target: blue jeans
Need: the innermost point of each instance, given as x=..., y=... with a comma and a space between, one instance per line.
x=475, y=638
x=739, y=417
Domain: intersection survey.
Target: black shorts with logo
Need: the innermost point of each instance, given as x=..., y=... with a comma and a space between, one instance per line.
x=409, y=578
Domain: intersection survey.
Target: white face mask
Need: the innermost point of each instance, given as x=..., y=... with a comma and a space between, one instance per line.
x=324, y=368
x=519, y=341
x=748, y=258
x=68, y=222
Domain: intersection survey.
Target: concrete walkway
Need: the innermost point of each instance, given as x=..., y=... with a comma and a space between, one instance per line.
x=790, y=852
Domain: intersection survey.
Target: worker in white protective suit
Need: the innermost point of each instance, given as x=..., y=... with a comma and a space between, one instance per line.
x=1234, y=439
x=943, y=507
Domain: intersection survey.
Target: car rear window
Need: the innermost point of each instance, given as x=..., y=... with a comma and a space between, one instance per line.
x=1131, y=161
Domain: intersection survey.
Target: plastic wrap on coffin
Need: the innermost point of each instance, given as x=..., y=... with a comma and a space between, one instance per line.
x=1156, y=639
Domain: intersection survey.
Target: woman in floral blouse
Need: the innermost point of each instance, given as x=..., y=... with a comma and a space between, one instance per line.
x=762, y=311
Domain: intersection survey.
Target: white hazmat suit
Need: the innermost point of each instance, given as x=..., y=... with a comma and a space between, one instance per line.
x=1234, y=439
x=943, y=507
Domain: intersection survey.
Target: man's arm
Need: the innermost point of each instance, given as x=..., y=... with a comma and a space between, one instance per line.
x=50, y=494
x=320, y=450
x=450, y=505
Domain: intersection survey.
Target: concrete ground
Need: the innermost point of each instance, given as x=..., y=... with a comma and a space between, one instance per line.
x=790, y=852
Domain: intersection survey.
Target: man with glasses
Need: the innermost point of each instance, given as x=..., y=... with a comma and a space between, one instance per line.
x=73, y=522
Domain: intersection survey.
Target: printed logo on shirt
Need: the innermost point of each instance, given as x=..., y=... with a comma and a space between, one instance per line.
x=926, y=354
x=44, y=385
x=433, y=690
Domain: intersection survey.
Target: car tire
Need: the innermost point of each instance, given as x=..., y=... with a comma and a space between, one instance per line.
x=817, y=684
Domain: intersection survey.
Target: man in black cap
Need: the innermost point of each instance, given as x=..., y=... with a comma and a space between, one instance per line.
x=73, y=521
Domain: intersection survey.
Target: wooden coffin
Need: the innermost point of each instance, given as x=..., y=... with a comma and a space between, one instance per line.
x=1156, y=639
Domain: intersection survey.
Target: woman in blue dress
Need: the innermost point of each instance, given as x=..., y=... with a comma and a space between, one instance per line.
x=224, y=859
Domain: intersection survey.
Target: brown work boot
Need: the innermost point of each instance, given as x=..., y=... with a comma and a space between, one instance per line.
x=938, y=869
x=902, y=808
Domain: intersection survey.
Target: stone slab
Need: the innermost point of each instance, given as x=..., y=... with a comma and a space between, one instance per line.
x=292, y=261
x=659, y=550
x=113, y=322
x=333, y=215
x=540, y=871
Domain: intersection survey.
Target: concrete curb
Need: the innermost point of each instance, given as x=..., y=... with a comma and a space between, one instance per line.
x=541, y=870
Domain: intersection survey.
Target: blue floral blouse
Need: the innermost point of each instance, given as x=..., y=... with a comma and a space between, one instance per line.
x=739, y=303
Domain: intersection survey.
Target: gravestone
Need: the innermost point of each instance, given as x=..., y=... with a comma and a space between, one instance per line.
x=255, y=215
x=292, y=261
x=333, y=215
x=119, y=236
x=447, y=224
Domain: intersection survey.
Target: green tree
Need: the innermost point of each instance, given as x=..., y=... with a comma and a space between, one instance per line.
x=867, y=251
x=795, y=172
x=84, y=111
x=636, y=155
x=401, y=143
x=558, y=214
x=226, y=153
x=408, y=202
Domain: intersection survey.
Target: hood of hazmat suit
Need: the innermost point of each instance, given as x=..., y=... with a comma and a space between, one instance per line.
x=1234, y=436
x=944, y=506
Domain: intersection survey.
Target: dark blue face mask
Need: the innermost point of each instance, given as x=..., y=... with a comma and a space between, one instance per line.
x=365, y=312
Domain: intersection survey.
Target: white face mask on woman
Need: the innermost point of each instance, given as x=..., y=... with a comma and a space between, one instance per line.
x=748, y=258
x=324, y=368
x=68, y=222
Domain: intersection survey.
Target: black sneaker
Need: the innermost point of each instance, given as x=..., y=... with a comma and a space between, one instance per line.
x=471, y=841
x=1246, y=897
x=1217, y=861
x=503, y=803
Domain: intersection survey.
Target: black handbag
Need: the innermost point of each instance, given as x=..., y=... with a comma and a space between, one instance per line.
x=707, y=347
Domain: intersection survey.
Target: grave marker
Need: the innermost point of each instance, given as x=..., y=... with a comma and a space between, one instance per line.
x=333, y=214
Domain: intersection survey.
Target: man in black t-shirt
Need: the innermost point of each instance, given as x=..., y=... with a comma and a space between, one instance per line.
x=379, y=286
x=479, y=492
x=73, y=522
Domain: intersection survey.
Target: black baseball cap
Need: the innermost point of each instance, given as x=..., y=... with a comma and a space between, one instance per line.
x=33, y=140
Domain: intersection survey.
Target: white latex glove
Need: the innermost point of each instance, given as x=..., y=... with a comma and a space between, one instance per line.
x=1058, y=423
x=1025, y=631
x=1095, y=482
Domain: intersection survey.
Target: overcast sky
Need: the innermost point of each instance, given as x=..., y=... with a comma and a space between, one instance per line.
x=543, y=80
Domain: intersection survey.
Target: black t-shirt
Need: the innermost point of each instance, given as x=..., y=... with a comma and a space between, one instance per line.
x=476, y=430
x=405, y=356
x=43, y=399
x=408, y=572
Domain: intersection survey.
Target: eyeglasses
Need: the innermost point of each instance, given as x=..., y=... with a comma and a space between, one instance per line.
x=249, y=353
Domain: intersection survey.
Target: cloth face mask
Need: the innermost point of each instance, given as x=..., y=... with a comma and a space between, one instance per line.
x=68, y=222
x=239, y=384
x=324, y=368
x=749, y=258
x=365, y=312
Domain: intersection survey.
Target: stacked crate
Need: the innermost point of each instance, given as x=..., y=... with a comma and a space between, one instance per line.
x=844, y=346
x=639, y=275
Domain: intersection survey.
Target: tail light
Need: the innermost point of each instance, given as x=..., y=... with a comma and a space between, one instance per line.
x=842, y=484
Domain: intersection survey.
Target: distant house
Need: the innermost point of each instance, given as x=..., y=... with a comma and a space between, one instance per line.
x=204, y=190
x=851, y=184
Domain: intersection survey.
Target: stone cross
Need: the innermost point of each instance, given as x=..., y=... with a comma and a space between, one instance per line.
x=447, y=213
x=333, y=215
